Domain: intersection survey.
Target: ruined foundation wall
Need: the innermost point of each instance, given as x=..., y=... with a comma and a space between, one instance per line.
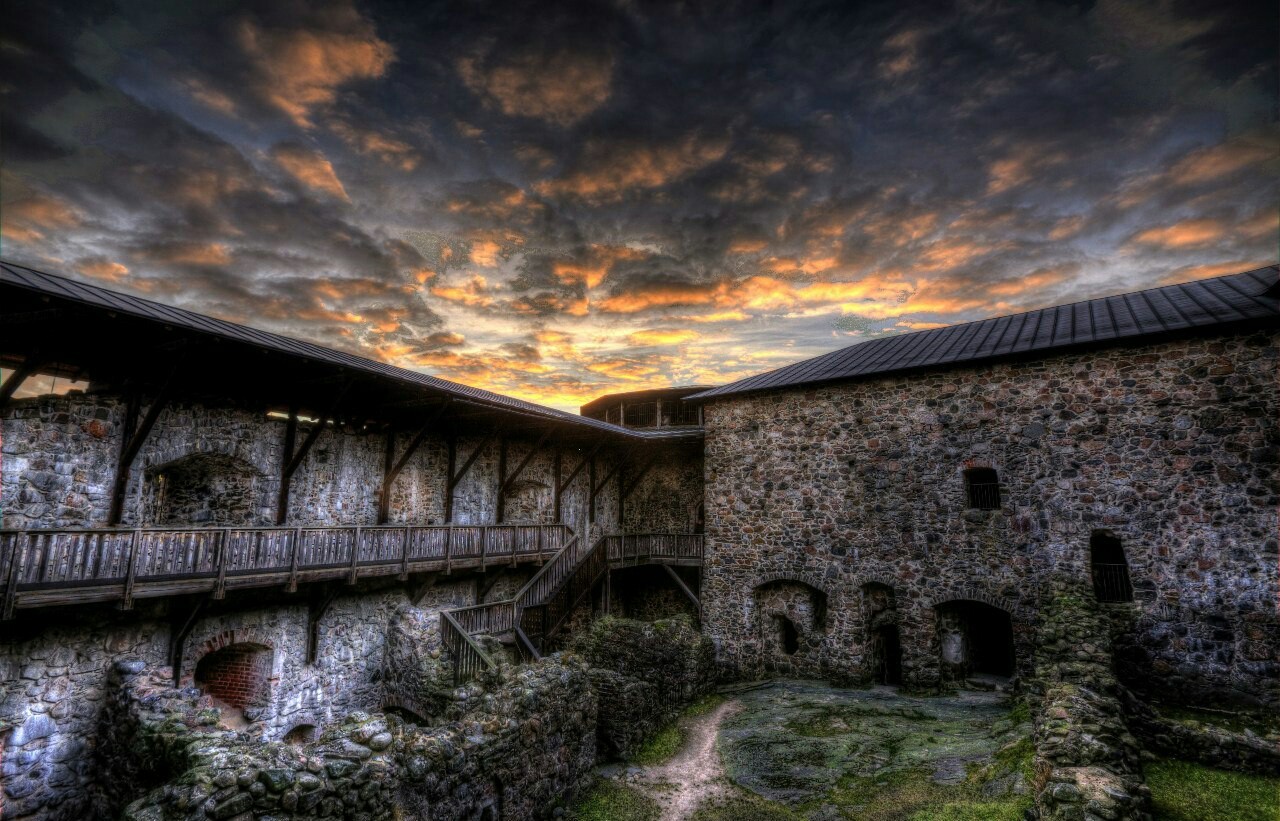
x=54, y=672
x=1172, y=447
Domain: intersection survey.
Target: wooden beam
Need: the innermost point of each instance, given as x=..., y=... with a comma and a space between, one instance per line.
x=563, y=485
x=684, y=588
x=131, y=442
x=626, y=489
x=506, y=480
x=416, y=590
x=393, y=467
x=455, y=478
x=180, y=630
x=321, y=601
x=16, y=379
x=485, y=583
x=292, y=461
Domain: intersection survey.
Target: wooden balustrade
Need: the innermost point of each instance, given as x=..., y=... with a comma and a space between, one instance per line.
x=469, y=658
x=542, y=606
x=53, y=567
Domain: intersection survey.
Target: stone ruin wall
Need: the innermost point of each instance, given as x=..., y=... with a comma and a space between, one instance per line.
x=59, y=455
x=1173, y=447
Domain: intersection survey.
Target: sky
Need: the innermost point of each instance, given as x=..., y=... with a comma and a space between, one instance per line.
x=557, y=201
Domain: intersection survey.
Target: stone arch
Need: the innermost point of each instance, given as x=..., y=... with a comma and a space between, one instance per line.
x=302, y=732
x=203, y=489
x=790, y=623
x=975, y=635
x=882, y=653
x=975, y=594
x=407, y=708
x=804, y=577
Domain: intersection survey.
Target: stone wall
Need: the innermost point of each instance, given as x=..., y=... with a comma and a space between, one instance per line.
x=644, y=673
x=1172, y=447
x=53, y=673
x=516, y=751
x=59, y=456
x=1087, y=762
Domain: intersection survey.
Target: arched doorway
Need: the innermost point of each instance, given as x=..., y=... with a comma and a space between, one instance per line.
x=791, y=620
x=883, y=651
x=975, y=639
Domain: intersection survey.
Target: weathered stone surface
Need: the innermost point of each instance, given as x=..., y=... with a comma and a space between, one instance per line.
x=1170, y=446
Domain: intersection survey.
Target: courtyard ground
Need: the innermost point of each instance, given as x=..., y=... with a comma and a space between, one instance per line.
x=789, y=750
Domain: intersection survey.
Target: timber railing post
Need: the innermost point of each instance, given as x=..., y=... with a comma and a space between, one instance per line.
x=21, y=545
x=448, y=550
x=220, y=586
x=292, y=586
x=355, y=555
x=404, y=555
x=135, y=546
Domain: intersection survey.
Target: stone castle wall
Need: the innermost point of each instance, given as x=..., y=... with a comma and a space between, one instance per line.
x=60, y=452
x=1172, y=447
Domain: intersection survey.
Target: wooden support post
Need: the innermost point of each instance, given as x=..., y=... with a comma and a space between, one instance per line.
x=20, y=547
x=452, y=447
x=220, y=586
x=626, y=489
x=393, y=467
x=355, y=556
x=500, y=505
x=180, y=629
x=404, y=553
x=485, y=584
x=292, y=586
x=684, y=588
x=135, y=547
x=563, y=485
x=505, y=480
x=131, y=442
x=16, y=379
x=456, y=477
x=292, y=461
x=557, y=487
x=596, y=488
x=591, y=489
x=418, y=590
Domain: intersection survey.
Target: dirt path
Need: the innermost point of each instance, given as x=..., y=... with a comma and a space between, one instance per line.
x=694, y=774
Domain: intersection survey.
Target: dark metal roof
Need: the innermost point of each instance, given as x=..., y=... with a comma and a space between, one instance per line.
x=1251, y=295
x=95, y=296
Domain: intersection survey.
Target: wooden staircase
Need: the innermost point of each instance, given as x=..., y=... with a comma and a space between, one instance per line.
x=539, y=611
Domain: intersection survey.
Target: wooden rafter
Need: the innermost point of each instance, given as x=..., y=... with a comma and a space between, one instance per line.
x=131, y=442
x=625, y=489
x=505, y=480
x=16, y=379
x=455, y=477
x=563, y=484
x=394, y=467
x=293, y=460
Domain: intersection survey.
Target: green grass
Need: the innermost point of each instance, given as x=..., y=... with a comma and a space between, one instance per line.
x=1260, y=722
x=660, y=747
x=610, y=801
x=665, y=743
x=743, y=806
x=1182, y=791
x=913, y=796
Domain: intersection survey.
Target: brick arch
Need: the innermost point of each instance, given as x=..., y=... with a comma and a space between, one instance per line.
x=226, y=638
x=1013, y=608
x=238, y=675
x=977, y=462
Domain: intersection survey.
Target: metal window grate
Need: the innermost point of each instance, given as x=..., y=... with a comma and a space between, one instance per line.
x=1111, y=582
x=983, y=495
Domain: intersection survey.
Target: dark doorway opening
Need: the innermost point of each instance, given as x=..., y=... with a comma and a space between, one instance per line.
x=788, y=635
x=977, y=639
x=1109, y=568
x=887, y=651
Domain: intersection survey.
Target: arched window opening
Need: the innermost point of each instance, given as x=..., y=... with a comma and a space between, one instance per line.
x=237, y=676
x=1109, y=569
x=982, y=488
x=301, y=734
x=202, y=490
x=788, y=637
x=406, y=715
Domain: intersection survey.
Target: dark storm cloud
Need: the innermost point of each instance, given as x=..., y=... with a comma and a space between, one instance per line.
x=558, y=199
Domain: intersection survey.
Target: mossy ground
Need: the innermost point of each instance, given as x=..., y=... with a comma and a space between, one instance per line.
x=609, y=800
x=1183, y=791
x=667, y=742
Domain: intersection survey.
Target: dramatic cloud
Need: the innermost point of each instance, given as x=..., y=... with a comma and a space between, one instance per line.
x=564, y=199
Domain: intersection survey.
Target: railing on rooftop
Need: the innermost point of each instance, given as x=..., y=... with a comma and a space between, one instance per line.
x=69, y=566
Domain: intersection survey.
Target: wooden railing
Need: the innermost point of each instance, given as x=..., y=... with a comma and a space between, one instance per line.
x=654, y=548
x=469, y=658
x=52, y=567
x=540, y=609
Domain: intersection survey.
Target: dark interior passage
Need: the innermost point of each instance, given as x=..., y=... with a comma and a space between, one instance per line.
x=887, y=654
x=976, y=639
